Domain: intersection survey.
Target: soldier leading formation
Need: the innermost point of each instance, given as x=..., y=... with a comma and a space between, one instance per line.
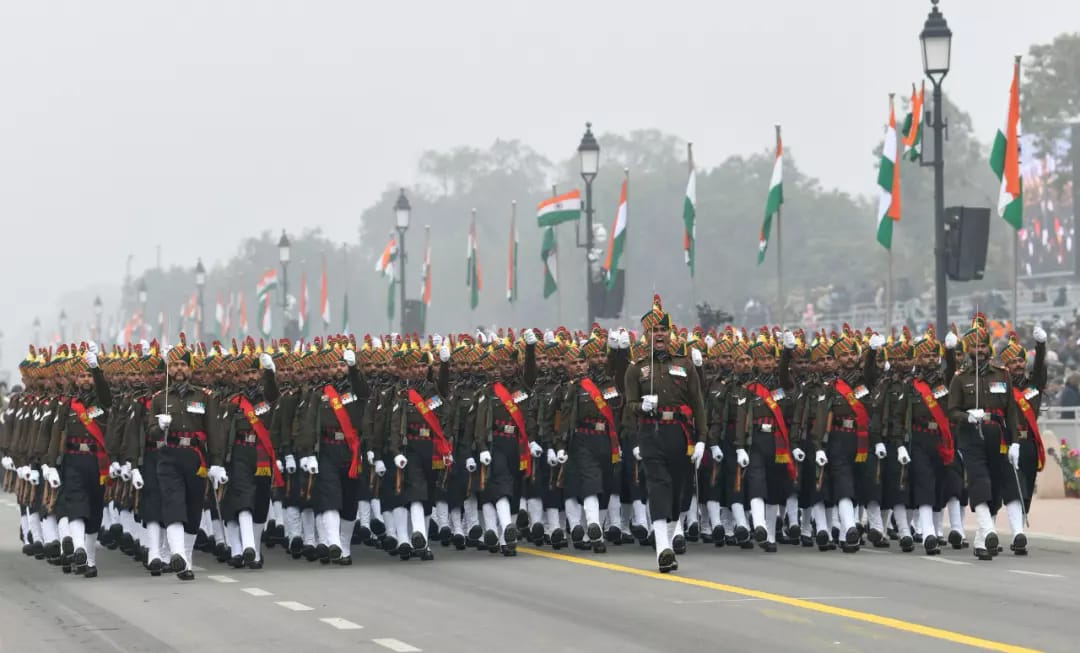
x=827, y=440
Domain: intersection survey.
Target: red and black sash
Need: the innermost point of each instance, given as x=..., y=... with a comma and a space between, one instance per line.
x=945, y=447
x=99, y=438
x=524, y=455
x=862, y=420
x=265, y=442
x=783, y=441
x=1033, y=423
x=609, y=416
x=352, y=438
x=439, y=444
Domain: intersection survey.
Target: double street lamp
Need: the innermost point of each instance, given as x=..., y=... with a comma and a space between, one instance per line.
x=936, y=40
x=589, y=154
x=200, y=284
x=402, y=213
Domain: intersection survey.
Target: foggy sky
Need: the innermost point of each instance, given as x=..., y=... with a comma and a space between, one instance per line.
x=124, y=125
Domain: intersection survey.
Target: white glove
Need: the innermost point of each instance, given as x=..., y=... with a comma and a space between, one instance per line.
x=125, y=471
x=695, y=357
x=876, y=341
x=536, y=450
x=637, y=453
x=1039, y=333
x=400, y=461
x=1014, y=455
x=22, y=472
x=798, y=454
x=280, y=466
x=163, y=422
x=266, y=361
x=290, y=463
x=376, y=342
x=561, y=456
x=789, y=340
x=530, y=337
x=742, y=457
x=485, y=458
x=218, y=476
x=349, y=357
x=717, y=453
x=34, y=477
x=370, y=457
x=444, y=354
x=92, y=348
x=481, y=337
x=52, y=477
x=91, y=359
x=137, y=479
x=313, y=465
x=304, y=460
x=975, y=415
x=470, y=464
x=698, y=454
x=902, y=455
x=552, y=459
x=879, y=451
x=380, y=468
x=492, y=337
x=648, y=403
x=436, y=341
x=613, y=339
x=8, y=463
x=951, y=340
x=624, y=338
x=710, y=342
x=549, y=337
x=114, y=470
x=821, y=459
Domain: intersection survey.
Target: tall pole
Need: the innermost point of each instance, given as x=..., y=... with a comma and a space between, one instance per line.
x=897, y=151
x=940, y=284
x=1016, y=279
x=558, y=293
x=401, y=282
x=779, y=253
x=200, y=318
x=588, y=253
x=284, y=296
x=693, y=279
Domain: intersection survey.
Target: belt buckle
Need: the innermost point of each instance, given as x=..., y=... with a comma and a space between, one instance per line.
x=931, y=426
x=83, y=447
x=1022, y=435
x=159, y=444
x=339, y=436
x=508, y=428
x=848, y=423
x=185, y=442
x=250, y=439
x=425, y=432
x=601, y=426
x=766, y=428
x=667, y=415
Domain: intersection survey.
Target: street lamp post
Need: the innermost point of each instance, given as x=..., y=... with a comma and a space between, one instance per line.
x=200, y=283
x=99, y=308
x=284, y=254
x=936, y=40
x=402, y=211
x=63, y=325
x=589, y=152
x=37, y=331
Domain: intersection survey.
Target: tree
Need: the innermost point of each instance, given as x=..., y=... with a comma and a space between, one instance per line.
x=1050, y=97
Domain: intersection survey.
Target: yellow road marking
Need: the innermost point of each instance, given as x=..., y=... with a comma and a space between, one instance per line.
x=813, y=606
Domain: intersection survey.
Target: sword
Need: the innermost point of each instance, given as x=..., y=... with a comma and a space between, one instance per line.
x=1020, y=491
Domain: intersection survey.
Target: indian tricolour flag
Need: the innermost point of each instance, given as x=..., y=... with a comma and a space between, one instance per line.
x=324, y=298
x=618, y=238
x=267, y=282
x=549, y=254
x=889, y=181
x=511, y=268
x=473, y=280
x=690, y=213
x=775, y=199
x=556, y=210
x=303, y=319
x=912, y=130
x=385, y=264
x=1005, y=158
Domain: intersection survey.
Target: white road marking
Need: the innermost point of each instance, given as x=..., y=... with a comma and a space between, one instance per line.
x=222, y=579
x=294, y=606
x=1056, y=538
x=861, y=550
x=396, y=645
x=340, y=624
x=197, y=568
x=944, y=561
x=1035, y=573
x=255, y=591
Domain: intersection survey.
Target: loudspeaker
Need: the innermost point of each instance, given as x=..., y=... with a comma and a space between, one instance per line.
x=967, y=230
x=608, y=303
x=414, y=316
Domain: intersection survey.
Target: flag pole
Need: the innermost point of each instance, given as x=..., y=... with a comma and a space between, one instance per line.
x=558, y=266
x=345, y=282
x=779, y=254
x=693, y=280
x=1016, y=278
x=889, y=280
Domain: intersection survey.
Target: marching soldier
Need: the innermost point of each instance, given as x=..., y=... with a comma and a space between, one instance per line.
x=984, y=415
x=664, y=393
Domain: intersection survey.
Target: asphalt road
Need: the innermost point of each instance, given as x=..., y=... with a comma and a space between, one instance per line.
x=796, y=600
